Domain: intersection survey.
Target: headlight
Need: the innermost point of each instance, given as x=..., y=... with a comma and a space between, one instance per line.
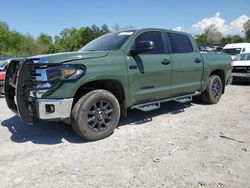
x=64, y=72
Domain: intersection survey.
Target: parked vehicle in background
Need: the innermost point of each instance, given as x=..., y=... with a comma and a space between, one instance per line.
x=236, y=49
x=219, y=48
x=3, y=67
x=241, y=70
x=213, y=49
x=136, y=69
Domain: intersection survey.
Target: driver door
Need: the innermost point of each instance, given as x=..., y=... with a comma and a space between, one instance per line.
x=149, y=73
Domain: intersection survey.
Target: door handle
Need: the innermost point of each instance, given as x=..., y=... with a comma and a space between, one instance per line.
x=166, y=62
x=197, y=60
x=132, y=66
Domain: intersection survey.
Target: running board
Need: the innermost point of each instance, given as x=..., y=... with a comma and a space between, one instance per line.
x=184, y=99
x=145, y=107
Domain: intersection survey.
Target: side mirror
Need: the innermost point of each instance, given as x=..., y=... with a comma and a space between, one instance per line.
x=142, y=46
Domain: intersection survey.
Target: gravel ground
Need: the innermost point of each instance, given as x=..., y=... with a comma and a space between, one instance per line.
x=180, y=145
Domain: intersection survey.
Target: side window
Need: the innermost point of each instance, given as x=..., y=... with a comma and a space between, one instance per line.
x=180, y=43
x=154, y=36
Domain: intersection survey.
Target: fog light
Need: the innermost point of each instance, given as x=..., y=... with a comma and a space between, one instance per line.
x=50, y=108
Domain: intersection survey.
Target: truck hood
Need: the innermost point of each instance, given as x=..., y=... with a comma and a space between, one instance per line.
x=69, y=56
x=241, y=63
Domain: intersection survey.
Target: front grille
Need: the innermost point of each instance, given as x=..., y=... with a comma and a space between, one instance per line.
x=241, y=69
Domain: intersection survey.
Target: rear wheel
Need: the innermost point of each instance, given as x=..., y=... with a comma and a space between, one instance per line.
x=96, y=115
x=213, y=92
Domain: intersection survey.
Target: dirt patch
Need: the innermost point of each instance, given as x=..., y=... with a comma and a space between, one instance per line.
x=191, y=145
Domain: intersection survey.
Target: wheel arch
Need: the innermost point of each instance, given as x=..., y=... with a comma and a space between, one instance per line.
x=111, y=85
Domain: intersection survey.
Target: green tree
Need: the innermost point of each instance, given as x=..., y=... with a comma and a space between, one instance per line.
x=30, y=46
x=247, y=30
x=4, y=30
x=15, y=43
x=231, y=39
x=44, y=43
x=210, y=36
x=69, y=39
x=201, y=39
x=73, y=39
x=105, y=29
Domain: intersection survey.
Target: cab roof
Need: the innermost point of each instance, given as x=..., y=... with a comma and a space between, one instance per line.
x=237, y=45
x=154, y=29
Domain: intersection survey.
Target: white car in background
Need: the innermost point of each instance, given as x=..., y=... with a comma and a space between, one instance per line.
x=241, y=67
x=236, y=49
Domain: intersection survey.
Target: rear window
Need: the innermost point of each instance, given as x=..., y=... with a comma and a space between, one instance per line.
x=180, y=43
x=232, y=51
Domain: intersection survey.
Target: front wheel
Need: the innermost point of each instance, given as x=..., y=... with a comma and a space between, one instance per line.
x=213, y=92
x=96, y=115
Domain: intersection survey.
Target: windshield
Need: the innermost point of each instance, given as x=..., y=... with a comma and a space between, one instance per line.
x=232, y=51
x=243, y=57
x=2, y=63
x=108, y=42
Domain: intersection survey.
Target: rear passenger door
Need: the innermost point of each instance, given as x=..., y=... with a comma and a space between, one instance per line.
x=187, y=64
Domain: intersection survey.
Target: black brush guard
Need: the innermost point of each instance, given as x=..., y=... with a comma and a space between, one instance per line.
x=18, y=83
x=21, y=84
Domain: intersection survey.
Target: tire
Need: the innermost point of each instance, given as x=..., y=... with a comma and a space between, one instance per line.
x=213, y=91
x=95, y=115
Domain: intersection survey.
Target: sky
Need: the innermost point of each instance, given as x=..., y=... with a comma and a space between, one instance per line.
x=193, y=16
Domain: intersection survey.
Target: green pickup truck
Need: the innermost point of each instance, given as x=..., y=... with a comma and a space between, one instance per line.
x=134, y=69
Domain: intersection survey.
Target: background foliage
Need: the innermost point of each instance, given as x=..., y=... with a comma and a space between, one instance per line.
x=211, y=36
x=13, y=43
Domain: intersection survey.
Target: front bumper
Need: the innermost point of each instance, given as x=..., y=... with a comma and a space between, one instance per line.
x=21, y=96
x=241, y=72
x=53, y=109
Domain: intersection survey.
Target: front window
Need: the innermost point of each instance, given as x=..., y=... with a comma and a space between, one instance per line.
x=232, y=51
x=108, y=42
x=156, y=38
